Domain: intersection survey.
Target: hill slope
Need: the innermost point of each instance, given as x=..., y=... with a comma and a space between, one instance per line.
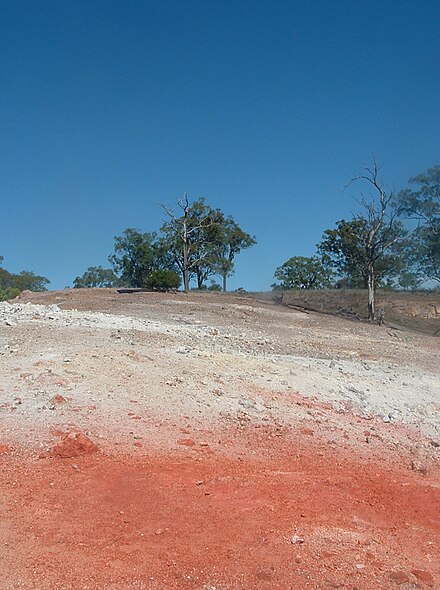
x=213, y=441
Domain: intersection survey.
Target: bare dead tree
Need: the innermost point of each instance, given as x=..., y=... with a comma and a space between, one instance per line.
x=382, y=230
x=182, y=222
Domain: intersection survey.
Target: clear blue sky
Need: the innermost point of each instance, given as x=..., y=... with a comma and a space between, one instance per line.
x=266, y=108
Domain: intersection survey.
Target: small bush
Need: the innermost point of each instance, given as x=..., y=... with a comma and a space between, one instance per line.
x=164, y=279
x=214, y=287
x=10, y=293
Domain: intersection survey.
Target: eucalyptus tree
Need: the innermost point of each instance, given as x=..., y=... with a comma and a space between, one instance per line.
x=422, y=204
x=202, y=241
x=365, y=248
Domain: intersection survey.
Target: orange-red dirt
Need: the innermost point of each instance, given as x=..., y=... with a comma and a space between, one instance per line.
x=74, y=446
x=200, y=519
x=214, y=442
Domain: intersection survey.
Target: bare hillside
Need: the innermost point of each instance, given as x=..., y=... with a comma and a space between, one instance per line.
x=214, y=441
x=417, y=311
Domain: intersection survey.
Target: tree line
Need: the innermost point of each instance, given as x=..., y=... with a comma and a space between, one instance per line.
x=196, y=243
x=394, y=241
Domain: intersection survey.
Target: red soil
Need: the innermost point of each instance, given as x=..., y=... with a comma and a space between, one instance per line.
x=74, y=445
x=197, y=519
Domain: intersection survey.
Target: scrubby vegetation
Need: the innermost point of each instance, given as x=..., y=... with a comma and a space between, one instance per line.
x=12, y=285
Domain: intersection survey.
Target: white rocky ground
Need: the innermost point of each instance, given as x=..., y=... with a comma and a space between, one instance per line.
x=203, y=359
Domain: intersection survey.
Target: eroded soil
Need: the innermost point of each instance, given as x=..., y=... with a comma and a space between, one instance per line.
x=219, y=443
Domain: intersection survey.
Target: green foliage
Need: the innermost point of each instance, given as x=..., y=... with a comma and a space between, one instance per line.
x=300, y=272
x=136, y=256
x=214, y=287
x=164, y=279
x=10, y=293
x=7, y=288
x=27, y=279
x=203, y=242
x=346, y=250
x=426, y=244
x=424, y=202
x=200, y=243
x=96, y=276
x=231, y=241
x=12, y=285
x=191, y=238
x=423, y=205
x=367, y=246
x=409, y=281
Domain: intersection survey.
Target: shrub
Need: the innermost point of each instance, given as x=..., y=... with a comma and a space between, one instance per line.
x=164, y=279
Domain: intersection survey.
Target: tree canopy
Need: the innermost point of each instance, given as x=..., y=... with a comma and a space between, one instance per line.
x=195, y=240
x=366, y=248
x=202, y=241
x=97, y=276
x=12, y=284
x=300, y=272
x=232, y=240
x=371, y=249
x=346, y=249
x=191, y=239
x=422, y=204
x=136, y=256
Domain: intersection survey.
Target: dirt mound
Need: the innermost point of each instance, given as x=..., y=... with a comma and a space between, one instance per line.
x=74, y=445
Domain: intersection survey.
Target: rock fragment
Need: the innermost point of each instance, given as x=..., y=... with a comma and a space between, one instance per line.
x=424, y=577
x=186, y=442
x=418, y=466
x=74, y=445
x=58, y=399
x=399, y=577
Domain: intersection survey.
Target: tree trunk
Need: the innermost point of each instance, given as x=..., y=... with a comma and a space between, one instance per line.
x=185, y=259
x=185, y=280
x=199, y=280
x=225, y=274
x=371, y=290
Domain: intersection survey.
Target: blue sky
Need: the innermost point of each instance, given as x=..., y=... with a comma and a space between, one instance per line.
x=265, y=108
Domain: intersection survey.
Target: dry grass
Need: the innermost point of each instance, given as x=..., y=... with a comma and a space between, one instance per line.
x=418, y=311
